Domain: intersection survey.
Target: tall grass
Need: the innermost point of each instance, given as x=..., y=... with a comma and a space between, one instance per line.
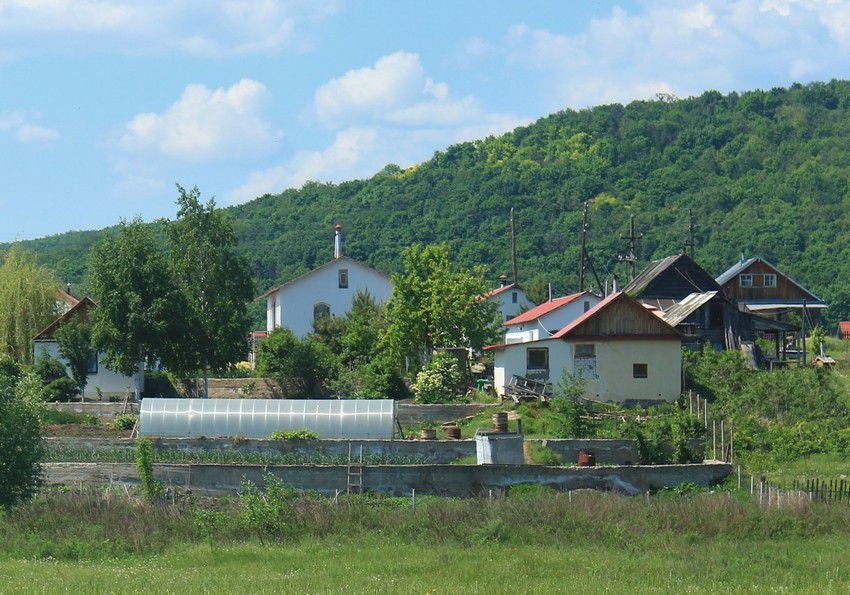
x=105, y=524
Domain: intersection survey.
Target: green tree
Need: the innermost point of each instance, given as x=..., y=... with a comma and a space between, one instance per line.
x=302, y=368
x=568, y=410
x=141, y=313
x=21, y=443
x=439, y=381
x=216, y=283
x=28, y=302
x=365, y=323
x=54, y=381
x=75, y=347
x=435, y=305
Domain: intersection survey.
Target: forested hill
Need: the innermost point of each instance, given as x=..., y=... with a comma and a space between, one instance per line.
x=765, y=172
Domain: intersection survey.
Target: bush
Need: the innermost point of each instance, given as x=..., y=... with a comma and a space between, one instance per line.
x=10, y=370
x=540, y=455
x=21, y=443
x=300, y=434
x=302, y=368
x=268, y=512
x=380, y=378
x=567, y=419
x=52, y=416
x=56, y=384
x=125, y=422
x=439, y=380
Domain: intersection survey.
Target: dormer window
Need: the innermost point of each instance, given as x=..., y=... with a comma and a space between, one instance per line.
x=343, y=278
x=746, y=280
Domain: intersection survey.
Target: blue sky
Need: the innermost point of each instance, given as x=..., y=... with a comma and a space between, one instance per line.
x=105, y=104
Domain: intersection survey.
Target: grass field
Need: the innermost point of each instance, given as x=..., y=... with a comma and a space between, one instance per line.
x=379, y=565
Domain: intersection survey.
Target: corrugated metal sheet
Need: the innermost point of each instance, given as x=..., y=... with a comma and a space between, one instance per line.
x=258, y=418
x=679, y=312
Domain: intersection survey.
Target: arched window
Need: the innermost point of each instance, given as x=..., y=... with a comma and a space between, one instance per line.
x=321, y=310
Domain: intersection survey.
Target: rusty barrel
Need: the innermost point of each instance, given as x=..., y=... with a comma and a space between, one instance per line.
x=500, y=421
x=453, y=432
x=586, y=459
x=428, y=434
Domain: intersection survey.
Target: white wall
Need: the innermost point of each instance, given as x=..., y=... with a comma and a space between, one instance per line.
x=294, y=303
x=110, y=383
x=614, y=367
x=550, y=323
x=507, y=307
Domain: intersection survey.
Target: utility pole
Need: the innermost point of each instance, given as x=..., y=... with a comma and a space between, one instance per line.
x=689, y=242
x=583, y=248
x=631, y=258
x=513, y=248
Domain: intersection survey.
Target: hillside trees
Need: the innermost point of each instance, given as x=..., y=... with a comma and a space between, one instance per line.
x=27, y=302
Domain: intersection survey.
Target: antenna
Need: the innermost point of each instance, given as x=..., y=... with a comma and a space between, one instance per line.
x=513, y=248
x=689, y=242
x=630, y=256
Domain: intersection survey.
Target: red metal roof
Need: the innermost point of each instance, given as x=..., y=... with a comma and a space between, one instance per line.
x=845, y=328
x=66, y=297
x=544, y=308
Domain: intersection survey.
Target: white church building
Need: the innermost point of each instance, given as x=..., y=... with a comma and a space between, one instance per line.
x=325, y=291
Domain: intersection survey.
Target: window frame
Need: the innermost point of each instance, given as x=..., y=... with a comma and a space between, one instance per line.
x=772, y=277
x=749, y=280
x=515, y=297
x=342, y=278
x=93, y=364
x=635, y=367
x=528, y=352
x=592, y=353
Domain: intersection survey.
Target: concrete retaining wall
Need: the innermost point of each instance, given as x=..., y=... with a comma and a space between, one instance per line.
x=399, y=480
x=608, y=452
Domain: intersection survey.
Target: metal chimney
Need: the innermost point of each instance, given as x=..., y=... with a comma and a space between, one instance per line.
x=338, y=242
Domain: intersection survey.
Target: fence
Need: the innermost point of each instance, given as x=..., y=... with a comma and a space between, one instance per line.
x=720, y=432
x=775, y=494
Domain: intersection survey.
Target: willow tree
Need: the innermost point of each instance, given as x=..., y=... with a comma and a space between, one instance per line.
x=28, y=302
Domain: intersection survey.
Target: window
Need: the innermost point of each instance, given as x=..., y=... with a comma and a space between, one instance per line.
x=537, y=359
x=93, y=363
x=586, y=306
x=274, y=314
x=770, y=280
x=746, y=280
x=640, y=371
x=585, y=350
x=321, y=310
x=343, y=278
x=514, y=297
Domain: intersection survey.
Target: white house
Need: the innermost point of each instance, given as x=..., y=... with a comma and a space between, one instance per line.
x=102, y=382
x=543, y=321
x=510, y=298
x=325, y=291
x=624, y=352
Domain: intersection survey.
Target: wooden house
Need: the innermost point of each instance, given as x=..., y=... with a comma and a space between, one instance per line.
x=764, y=289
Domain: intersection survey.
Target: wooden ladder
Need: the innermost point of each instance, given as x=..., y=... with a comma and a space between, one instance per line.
x=354, y=479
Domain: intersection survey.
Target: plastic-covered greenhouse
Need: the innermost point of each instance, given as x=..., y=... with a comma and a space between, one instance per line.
x=257, y=418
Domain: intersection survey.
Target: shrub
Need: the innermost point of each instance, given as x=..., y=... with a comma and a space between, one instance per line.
x=567, y=419
x=21, y=443
x=10, y=370
x=540, y=455
x=302, y=368
x=125, y=422
x=151, y=488
x=52, y=416
x=439, y=380
x=300, y=434
x=379, y=378
x=56, y=385
x=269, y=512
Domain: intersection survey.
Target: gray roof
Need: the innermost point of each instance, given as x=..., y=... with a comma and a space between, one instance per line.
x=679, y=312
x=743, y=265
x=652, y=270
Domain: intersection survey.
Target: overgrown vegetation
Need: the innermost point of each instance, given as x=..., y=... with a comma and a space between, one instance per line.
x=21, y=444
x=778, y=416
x=300, y=434
x=439, y=381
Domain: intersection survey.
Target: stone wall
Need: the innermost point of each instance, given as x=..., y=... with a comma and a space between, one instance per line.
x=398, y=480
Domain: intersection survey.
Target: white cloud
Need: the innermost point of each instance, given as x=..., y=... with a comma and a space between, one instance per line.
x=391, y=112
x=210, y=27
x=684, y=48
x=343, y=159
x=206, y=124
x=394, y=79
x=17, y=123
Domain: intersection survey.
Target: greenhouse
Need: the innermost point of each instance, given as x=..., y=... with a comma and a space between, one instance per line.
x=258, y=418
